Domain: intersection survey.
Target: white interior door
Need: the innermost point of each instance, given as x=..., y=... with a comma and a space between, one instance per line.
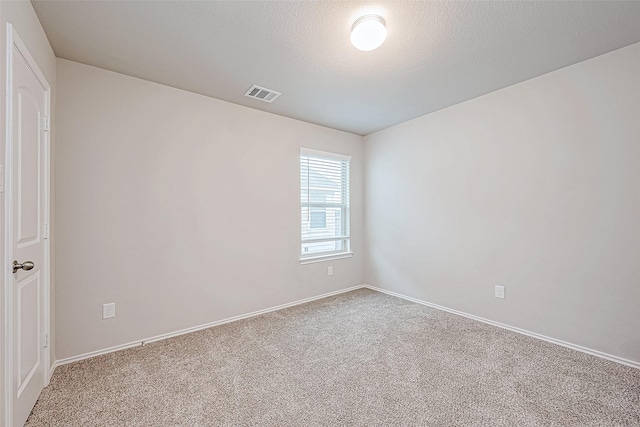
x=27, y=158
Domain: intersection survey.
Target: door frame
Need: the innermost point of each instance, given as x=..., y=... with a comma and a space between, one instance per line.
x=14, y=41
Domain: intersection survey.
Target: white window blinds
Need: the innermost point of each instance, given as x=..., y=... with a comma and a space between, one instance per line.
x=324, y=201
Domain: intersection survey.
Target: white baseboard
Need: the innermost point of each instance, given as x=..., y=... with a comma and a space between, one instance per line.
x=52, y=369
x=576, y=347
x=137, y=343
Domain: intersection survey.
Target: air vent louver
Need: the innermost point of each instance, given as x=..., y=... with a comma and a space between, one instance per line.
x=262, y=94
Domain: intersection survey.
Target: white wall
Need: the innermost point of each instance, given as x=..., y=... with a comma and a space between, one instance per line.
x=535, y=187
x=25, y=22
x=179, y=208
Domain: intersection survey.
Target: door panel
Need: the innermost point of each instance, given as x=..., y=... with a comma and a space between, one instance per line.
x=28, y=169
x=28, y=316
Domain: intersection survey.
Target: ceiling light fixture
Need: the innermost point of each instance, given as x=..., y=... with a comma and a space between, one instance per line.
x=368, y=32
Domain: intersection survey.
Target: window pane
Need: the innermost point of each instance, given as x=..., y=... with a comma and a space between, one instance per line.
x=332, y=226
x=321, y=181
x=322, y=247
x=318, y=219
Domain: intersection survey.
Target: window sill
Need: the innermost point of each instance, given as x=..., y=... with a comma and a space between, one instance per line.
x=321, y=258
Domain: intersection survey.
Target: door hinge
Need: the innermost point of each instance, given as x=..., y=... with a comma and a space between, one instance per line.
x=46, y=340
x=45, y=123
x=45, y=231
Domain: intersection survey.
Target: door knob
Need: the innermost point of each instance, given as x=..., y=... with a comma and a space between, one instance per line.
x=27, y=265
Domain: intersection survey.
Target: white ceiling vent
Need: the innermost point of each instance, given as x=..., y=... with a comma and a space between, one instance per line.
x=262, y=94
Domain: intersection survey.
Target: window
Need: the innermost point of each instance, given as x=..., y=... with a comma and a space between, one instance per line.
x=324, y=201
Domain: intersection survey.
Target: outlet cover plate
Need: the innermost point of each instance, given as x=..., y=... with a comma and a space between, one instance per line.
x=499, y=291
x=108, y=310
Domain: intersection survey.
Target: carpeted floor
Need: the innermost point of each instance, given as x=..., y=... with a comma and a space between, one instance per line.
x=357, y=359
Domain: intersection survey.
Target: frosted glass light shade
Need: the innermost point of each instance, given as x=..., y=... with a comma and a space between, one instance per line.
x=368, y=32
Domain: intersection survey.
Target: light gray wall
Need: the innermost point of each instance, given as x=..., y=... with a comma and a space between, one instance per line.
x=535, y=187
x=21, y=15
x=179, y=208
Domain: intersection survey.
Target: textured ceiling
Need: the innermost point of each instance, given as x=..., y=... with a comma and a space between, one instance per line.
x=437, y=53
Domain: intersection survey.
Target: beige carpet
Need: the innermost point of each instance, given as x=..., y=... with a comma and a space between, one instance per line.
x=356, y=359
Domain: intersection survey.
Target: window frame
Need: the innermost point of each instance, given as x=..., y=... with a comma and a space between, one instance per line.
x=344, y=205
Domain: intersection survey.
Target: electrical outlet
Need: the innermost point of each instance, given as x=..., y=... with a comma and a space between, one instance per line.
x=330, y=270
x=108, y=310
x=499, y=291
